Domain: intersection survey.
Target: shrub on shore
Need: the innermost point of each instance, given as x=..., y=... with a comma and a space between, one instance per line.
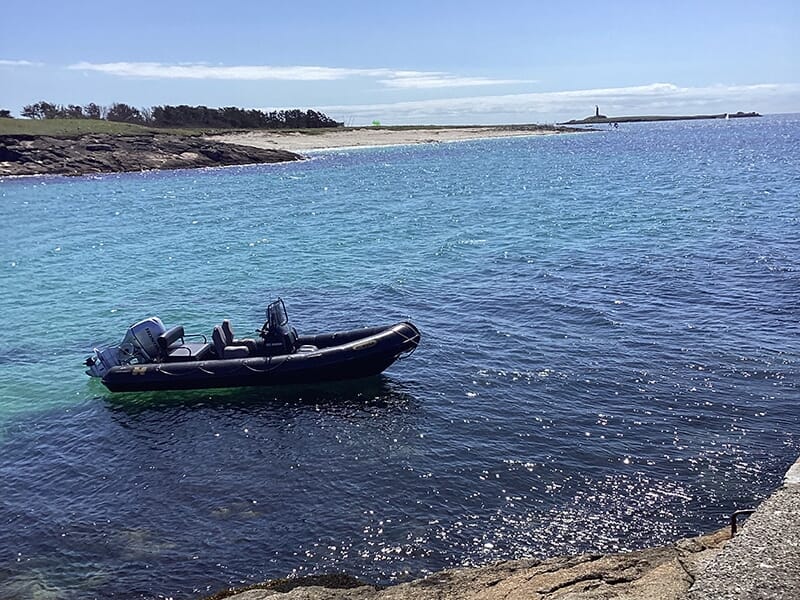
x=181, y=116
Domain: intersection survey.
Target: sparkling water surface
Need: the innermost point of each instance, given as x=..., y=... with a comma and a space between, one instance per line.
x=609, y=358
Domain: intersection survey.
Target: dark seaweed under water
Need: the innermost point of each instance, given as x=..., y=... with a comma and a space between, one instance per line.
x=609, y=358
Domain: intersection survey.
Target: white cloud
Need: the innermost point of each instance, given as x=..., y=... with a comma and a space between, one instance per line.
x=388, y=77
x=19, y=63
x=655, y=98
x=204, y=71
x=422, y=80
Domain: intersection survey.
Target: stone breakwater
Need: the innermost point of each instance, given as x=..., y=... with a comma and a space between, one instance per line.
x=107, y=153
x=761, y=562
x=601, y=119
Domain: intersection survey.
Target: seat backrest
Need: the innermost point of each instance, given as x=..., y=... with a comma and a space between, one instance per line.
x=227, y=332
x=219, y=341
x=289, y=339
x=169, y=337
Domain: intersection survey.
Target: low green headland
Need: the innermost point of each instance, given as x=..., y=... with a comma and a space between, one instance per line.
x=59, y=139
x=76, y=127
x=86, y=146
x=80, y=146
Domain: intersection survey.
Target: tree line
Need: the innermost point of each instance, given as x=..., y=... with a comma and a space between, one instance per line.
x=183, y=116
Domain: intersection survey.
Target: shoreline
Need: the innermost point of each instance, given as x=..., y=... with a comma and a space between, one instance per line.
x=759, y=561
x=371, y=137
x=24, y=155
x=655, y=573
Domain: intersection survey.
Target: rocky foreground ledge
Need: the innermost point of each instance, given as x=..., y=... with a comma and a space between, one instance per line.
x=664, y=573
x=760, y=563
x=113, y=153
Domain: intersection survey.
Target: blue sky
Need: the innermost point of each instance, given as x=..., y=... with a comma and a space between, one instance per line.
x=410, y=62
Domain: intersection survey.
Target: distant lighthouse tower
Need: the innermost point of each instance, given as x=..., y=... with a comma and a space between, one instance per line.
x=596, y=110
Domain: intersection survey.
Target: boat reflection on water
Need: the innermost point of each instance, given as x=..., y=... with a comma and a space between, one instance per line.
x=150, y=474
x=377, y=392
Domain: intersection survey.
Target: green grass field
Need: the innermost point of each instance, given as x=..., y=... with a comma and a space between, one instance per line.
x=73, y=127
x=70, y=127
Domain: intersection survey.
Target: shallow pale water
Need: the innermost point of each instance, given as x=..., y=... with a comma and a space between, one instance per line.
x=609, y=358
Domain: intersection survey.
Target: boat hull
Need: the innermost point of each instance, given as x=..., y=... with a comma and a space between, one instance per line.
x=356, y=354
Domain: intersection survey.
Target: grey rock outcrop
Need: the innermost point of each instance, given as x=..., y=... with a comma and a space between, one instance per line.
x=106, y=153
x=664, y=573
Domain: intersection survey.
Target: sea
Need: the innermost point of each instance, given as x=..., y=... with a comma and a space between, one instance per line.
x=610, y=358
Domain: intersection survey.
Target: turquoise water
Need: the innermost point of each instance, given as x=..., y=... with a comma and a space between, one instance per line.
x=609, y=357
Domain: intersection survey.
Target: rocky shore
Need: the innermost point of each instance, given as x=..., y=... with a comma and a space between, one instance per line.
x=30, y=154
x=664, y=573
x=760, y=563
x=111, y=153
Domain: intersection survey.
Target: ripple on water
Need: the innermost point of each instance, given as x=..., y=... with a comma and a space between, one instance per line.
x=609, y=358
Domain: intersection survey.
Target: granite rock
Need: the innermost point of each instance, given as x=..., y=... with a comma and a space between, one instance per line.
x=664, y=573
x=106, y=153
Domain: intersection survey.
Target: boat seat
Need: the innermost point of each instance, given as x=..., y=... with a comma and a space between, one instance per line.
x=224, y=351
x=174, y=347
x=230, y=340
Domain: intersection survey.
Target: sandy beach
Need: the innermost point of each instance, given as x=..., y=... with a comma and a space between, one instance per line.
x=325, y=139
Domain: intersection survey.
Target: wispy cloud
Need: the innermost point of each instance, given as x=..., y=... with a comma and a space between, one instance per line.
x=655, y=98
x=432, y=80
x=19, y=63
x=153, y=70
x=392, y=78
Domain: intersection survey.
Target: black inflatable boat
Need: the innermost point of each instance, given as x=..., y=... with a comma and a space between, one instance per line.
x=152, y=357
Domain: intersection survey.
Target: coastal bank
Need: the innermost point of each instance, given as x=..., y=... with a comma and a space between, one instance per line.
x=760, y=562
x=98, y=152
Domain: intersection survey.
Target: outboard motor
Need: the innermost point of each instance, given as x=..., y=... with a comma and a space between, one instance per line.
x=140, y=345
